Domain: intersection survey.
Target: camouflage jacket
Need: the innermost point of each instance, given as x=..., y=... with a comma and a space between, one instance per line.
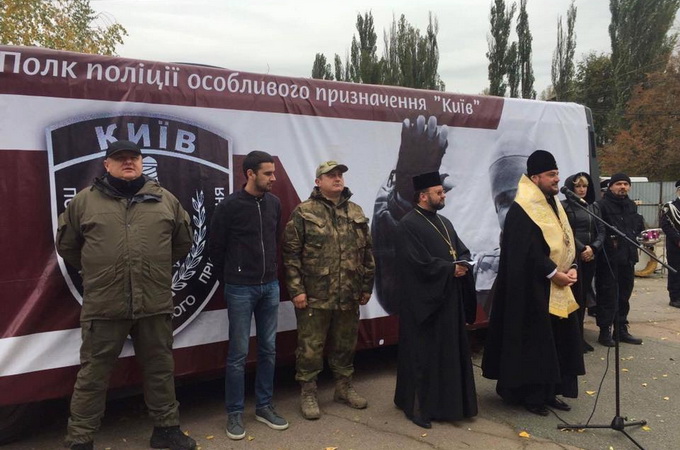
x=327, y=252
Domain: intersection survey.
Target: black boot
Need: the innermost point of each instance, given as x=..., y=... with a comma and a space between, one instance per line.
x=172, y=438
x=605, y=337
x=84, y=446
x=625, y=336
x=587, y=347
x=675, y=303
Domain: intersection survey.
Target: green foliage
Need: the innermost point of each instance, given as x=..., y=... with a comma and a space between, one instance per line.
x=410, y=59
x=593, y=87
x=640, y=39
x=61, y=25
x=526, y=72
x=501, y=19
x=321, y=68
x=514, y=76
x=562, y=73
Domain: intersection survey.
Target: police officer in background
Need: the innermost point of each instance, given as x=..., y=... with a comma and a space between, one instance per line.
x=669, y=221
x=615, y=272
x=329, y=273
x=123, y=234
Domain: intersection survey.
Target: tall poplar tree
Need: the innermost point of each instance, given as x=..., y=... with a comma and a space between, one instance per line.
x=526, y=72
x=640, y=40
x=321, y=68
x=562, y=73
x=410, y=58
x=500, y=19
x=512, y=63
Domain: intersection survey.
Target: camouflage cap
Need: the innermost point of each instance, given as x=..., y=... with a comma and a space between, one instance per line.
x=328, y=166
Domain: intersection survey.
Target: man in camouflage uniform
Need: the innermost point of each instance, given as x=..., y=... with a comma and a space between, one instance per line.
x=329, y=273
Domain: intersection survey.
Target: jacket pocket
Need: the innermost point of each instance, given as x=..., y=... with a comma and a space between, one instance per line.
x=316, y=279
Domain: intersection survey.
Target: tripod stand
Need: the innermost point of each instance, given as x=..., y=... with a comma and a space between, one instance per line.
x=618, y=423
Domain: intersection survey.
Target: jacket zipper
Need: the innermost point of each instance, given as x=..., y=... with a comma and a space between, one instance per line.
x=127, y=250
x=264, y=258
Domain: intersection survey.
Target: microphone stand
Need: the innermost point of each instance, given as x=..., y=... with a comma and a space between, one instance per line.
x=618, y=423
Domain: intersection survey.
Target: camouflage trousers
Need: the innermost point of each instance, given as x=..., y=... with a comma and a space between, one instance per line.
x=315, y=327
x=103, y=341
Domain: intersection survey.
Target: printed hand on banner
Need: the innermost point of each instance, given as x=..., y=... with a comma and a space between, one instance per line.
x=421, y=151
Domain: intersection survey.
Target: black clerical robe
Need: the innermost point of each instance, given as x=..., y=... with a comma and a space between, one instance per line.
x=434, y=374
x=534, y=355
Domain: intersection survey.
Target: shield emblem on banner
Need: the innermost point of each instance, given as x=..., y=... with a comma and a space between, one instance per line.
x=192, y=162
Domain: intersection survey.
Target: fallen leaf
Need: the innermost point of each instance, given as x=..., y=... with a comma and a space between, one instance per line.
x=664, y=338
x=644, y=384
x=624, y=370
x=590, y=392
x=666, y=398
x=331, y=448
x=423, y=435
x=524, y=434
x=665, y=375
x=250, y=438
x=210, y=437
x=646, y=428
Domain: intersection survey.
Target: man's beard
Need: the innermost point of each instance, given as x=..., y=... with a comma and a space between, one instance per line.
x=437, y=206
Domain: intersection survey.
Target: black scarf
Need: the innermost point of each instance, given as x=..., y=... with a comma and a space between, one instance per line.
x=126, y=188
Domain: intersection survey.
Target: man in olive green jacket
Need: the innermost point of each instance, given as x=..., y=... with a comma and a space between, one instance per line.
x=123, y=234
x=329, y=273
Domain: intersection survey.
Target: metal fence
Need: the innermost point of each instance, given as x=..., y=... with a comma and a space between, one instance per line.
x=650, y=195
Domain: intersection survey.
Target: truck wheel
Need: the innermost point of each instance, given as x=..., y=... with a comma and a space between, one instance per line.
x=15, y=420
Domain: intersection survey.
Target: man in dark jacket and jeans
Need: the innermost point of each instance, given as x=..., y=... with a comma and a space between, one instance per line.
x=243, y=241
x=123, y=234
x=615, y=273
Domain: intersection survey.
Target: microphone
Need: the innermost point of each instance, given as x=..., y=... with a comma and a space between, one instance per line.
x=573, y=197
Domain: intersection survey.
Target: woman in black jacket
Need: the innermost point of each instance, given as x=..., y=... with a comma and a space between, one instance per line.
x=588, y=234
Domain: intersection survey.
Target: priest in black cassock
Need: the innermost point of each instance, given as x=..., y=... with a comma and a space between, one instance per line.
x=533, y=346
x=434, y=374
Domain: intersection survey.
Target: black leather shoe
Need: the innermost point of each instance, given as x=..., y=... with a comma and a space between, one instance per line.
x=625, y=336
x=559, y=404
x=675, y=304
x=587, y=347
x=84, y=446
x=172, y=438
x=539, y=410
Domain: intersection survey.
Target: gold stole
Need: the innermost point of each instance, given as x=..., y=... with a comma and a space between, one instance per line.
x=559, y=237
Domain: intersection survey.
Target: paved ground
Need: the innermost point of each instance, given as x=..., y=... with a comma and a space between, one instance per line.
x=650, y=389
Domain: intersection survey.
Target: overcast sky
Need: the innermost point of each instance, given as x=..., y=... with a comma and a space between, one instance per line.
x=282, y=37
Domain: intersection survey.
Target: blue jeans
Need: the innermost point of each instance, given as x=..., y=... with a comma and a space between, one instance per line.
x=242, y=302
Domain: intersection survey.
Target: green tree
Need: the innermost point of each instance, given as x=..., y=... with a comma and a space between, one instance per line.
x=364, y=66
x=649, y=146
x=513, y=65
x=640, y=40
x=501, y=19
x=411, y=59
x=526, y=72
x=593, y=87
x=562, y=73
x=61, y=24
x=321, y=68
